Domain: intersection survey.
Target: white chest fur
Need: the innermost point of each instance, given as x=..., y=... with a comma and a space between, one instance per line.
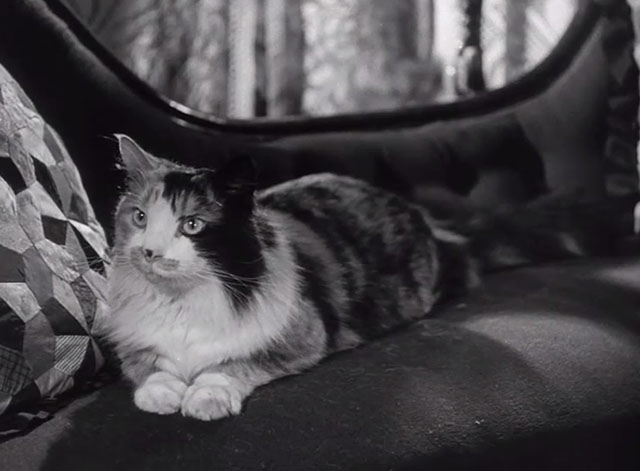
x=195, y=332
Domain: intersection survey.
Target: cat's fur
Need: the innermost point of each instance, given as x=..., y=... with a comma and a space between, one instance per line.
x=276, y=281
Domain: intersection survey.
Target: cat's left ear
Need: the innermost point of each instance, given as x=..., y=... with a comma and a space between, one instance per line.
x=134, y=157
x=237, y=177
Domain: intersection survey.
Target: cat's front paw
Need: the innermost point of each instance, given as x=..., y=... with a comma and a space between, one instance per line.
x=212, y=397
x=161, y=393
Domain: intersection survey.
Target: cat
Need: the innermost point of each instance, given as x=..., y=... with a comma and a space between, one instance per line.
x=217, y=288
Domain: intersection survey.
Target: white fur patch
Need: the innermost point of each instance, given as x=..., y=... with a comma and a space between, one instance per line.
x=161, y=234
x=212, y=396
x=200, y=329
x=161, y=393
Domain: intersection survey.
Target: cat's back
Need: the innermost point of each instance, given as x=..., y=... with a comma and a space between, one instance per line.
x=337, y=197
x=367, y=255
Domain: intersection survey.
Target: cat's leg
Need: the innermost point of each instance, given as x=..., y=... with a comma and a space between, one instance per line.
x=155, y=390
x=221, y=391
x=160, y=393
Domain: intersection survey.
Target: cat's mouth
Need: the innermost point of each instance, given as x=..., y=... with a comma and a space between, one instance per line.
x=160, y=268
x=165, y=276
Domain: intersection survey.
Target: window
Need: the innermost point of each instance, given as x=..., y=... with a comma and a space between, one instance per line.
x=248, y=58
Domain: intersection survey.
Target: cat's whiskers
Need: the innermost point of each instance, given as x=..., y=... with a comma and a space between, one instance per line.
x=209, y=254
x=238, y=296
x=91, y=262
x=271, y=284
x=120, y=260
x=246, y=281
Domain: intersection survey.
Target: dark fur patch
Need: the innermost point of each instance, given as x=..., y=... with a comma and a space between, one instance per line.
x=266, y=233
x=233, y=249
x=229, y=241
x=380, y=242
x=179, y=186
x=338, y=239
x=315, y=290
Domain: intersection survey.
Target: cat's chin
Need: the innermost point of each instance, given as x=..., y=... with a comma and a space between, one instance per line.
x=163, y=273
x=159, y=276
x=169, y=282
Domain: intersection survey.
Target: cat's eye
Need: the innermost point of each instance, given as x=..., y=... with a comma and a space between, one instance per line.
x=192, y=226
x=139, y=217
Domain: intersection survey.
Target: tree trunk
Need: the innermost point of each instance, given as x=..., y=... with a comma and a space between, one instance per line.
x=207, y=66
x=284, y=50
x=178, y=46
x=470, y=67
x=425, y=29
x=516, y=38
x=243, y=17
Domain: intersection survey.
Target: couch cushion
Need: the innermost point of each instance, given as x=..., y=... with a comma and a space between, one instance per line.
x=539, y=369
x=461, y=155
x=52, y=269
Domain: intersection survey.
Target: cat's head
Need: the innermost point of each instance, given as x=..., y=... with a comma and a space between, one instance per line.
x=180, y=226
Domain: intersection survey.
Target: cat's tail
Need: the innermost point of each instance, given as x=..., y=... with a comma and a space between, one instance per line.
x=474, y=241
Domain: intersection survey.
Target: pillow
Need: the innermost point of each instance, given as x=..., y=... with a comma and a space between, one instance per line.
x=53, y=258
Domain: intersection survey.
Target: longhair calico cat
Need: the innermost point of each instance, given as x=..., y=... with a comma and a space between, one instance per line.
x=217, y=289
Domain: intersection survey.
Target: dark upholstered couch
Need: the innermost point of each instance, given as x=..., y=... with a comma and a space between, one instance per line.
x=538, y=369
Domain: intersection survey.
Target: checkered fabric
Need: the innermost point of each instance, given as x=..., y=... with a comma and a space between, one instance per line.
x=53, y=259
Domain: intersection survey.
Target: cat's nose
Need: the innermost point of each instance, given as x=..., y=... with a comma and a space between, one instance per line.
x=149, y=254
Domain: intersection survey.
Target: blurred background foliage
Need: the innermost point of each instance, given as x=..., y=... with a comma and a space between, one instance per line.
x=253, y=58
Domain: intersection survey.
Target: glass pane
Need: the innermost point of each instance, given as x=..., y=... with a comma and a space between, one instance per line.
x=248, y=58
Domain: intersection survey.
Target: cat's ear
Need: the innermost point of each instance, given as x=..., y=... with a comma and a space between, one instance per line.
x=135, y=159
x=237, y=177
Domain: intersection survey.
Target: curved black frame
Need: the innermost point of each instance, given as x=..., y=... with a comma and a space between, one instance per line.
x=526, y=87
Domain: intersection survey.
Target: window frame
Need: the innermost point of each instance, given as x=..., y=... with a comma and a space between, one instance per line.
x=525, y=87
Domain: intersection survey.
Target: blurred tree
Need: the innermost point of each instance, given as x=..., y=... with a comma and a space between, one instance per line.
x=388, y=71
x=470, y=77
x=180, y=47
x=516, y=38
x=284, y=50
x=245, y=58
x=367, y=54
x=425, y=29
x=261, y=65
x=242, y=81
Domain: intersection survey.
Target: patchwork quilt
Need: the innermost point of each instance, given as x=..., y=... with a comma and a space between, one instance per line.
x=53, y=262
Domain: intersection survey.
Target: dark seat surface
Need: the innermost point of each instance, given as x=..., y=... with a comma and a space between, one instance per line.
x=539, y=369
